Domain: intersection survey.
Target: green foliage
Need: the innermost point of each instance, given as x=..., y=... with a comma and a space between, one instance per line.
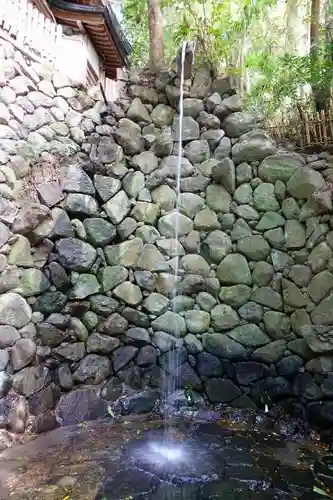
x=279, y=78
x=135, y=23
x=246, y=38
x=217, y=27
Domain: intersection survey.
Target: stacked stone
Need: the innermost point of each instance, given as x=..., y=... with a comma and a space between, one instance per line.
x=87, y=275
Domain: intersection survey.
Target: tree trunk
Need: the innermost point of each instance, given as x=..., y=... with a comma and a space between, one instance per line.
x=156, y=38
x=318, y=88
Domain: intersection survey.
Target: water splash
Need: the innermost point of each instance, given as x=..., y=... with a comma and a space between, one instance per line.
x=173, y=365
x=167, y=453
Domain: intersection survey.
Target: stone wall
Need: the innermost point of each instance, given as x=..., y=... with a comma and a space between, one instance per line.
x=87, y=313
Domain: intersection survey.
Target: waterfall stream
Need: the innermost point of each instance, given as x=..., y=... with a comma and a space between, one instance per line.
x=173, y=362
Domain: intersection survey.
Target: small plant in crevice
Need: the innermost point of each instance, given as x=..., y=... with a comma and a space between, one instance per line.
x=188, y=392
x=265, y=401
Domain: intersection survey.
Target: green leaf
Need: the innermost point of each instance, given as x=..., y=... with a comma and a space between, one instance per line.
x=110, y=411
x=321, y=492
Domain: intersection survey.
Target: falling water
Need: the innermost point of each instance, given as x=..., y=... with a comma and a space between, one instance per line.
x=173, y=363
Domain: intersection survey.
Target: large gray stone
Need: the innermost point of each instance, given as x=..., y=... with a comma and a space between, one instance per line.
x=197, y=151
x=223, y=346
x=145, y=212
x=249, y=336
x=206, y=220
x=20, y=253
x=111, y=276
x=129, y=138
x=138, y=112
x=85, y=286
x=192, y=106
x=106, y=187
x=82, y=204
x=163, y=115
x=164, y=196
x=270, y=220
x=75, y=254
x=320, y=286
x=323, y=313
x=151, y=259
x=133, y=183
x=254, y=247
x=223, y=149
x=221, y=390
x=124, y=254
x=79, y=406
x=169, y=167
x=235, y=296
x=218, y=198
x=14, y=310
x=74, y=180
x=202, y=82
x=280, y=167
x=268, y=297
x=8, y=336
x=224, y=173
x=195, y=264
x=253, y=146
x=319, y=257
x=99, y=231
x=197, y=322
x=28, y=218
x=234, y=270
x=147, y=95
x=108, y=152
x=277, y=324
x=92, y=369
x=292, y=295
x=171, y=323
x=240, y=229
x=190, y=204
x=294, y=234
x=31, y=379
x=190, y=129
x=170, y=247
x=305, y=182
x=238, y=123
x=264, y=198
x=244, y=195
x=156, y=304
x=229, y=105
x=129, y=293
x=145, y=161
x=270, y=353
x=22, y=353
x=168, y=223
x=224, y=317
x=32, y=282
x=117, y=207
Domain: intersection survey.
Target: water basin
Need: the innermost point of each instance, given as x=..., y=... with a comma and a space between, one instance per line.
x=197, y=459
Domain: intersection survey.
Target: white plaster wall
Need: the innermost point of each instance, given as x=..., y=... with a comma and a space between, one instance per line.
x=71, y=58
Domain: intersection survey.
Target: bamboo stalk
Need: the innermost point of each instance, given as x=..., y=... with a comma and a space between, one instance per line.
x=331, y=125
x=318, y=127
x=307, y=130
x=324, y=125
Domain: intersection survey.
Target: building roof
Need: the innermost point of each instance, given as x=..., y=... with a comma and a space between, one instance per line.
x=97, y=19
x=43, y=7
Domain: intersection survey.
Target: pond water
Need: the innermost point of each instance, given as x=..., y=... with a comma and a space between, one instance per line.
x=198, y=459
